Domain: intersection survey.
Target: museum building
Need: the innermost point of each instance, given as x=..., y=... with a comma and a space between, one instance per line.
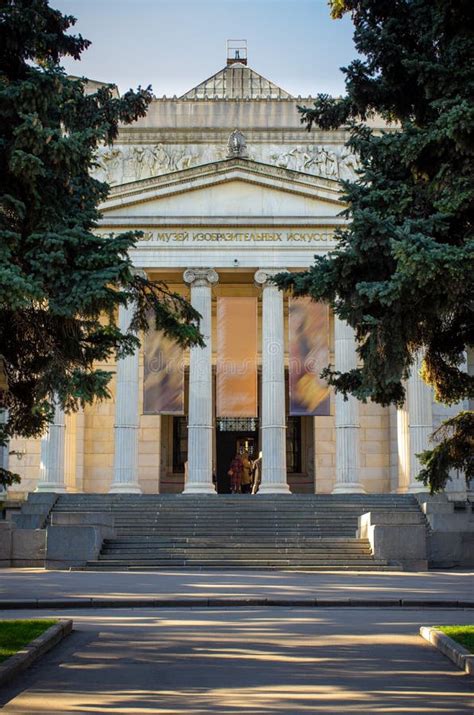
x=228, y=189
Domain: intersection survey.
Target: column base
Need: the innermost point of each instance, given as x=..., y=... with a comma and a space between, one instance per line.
x=273, y=489
x=52, y=488
x=199, y=489
x=349, y=488
x=125, y=488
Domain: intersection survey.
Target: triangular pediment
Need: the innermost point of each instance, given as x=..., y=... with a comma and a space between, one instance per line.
x=228, y=188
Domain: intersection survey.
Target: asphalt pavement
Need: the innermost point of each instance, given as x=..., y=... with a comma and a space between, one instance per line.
x=252, y=661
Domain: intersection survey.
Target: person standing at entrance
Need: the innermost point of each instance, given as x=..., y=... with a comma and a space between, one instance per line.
x=246, y=474
x=235, y=474
x=256, y=473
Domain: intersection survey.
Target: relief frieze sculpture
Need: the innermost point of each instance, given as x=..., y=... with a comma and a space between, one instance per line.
x=122, y=164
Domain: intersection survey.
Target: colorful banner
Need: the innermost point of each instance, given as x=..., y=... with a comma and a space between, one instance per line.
x=236, y=386
x=163, y=380
x=308, y=355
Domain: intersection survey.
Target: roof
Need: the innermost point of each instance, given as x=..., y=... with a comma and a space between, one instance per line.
x=92, y=85
x=236, y=81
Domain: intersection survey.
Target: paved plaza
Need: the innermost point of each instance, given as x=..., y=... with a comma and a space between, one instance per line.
x=40, y=584
x=258, y=661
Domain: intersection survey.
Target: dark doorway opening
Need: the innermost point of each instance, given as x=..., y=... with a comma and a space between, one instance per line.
x=228, y=443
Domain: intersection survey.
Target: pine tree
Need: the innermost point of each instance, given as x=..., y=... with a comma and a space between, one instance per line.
x=402, y=274
x=60, y=283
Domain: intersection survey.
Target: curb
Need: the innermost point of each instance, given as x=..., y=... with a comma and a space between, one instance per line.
x=34, y=650
x=454, y=651
x=223, y=602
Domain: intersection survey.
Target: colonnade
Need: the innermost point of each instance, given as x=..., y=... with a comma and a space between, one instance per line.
x=414, y=422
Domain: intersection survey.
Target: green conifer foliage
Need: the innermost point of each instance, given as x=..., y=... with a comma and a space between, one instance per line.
x=402, y=274
x=60, y=284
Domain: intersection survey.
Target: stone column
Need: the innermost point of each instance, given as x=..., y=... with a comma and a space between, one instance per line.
x=420, y=422
x=200, y=422
x=347, y=415
x=456, y=488
x=52, y=455
x=273, y=415
x=125, y=479
x=403, y=449
x=4, y=449
x=74, y=452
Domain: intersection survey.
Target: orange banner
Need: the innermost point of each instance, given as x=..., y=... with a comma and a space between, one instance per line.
x=236, y=390
x=163, y=380
x=309, y=354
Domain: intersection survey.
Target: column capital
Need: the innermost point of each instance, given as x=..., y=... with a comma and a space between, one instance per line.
x=139, y=272
x=200, y=276
x=263, y=276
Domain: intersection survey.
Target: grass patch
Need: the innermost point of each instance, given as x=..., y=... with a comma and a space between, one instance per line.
x=14, y=635
x=461, y=634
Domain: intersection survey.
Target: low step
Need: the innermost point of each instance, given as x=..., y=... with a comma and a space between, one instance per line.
x=100, y=566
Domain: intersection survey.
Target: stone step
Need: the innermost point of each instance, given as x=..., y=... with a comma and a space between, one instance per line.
x=211, y=500
x=244, y=549
x=248, y=535
x=290, y=501
x=316, y=542
x=152, y=511
x=203, y=565
x=242, y=556
x=216, y=558
x=232, y=528
x=231, y=525
x=232, y=519
x=243, y=559
x=230, y=497
x=295, y=537
x=100, y=566
x=218, y=505
x=243, y=552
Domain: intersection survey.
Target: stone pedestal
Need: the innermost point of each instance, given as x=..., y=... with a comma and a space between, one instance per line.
x=125, y=479
x=347, y=416
x=52, y=456
x=273, y=415
x=200, y=421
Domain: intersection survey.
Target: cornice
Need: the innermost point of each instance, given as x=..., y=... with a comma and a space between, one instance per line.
x=253, y=135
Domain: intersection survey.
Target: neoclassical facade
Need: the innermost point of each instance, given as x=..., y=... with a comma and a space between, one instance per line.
x=228, y=188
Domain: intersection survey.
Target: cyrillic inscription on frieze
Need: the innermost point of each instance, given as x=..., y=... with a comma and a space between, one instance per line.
x=232, y=236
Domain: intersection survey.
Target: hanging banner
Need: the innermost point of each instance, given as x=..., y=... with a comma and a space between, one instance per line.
x=163, y=379
x=236, y=385
x=308, y=355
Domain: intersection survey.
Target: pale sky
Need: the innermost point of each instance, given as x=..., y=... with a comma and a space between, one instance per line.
x=175, y=45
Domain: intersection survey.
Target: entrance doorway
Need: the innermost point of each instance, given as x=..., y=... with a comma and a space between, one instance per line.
x=231, y=440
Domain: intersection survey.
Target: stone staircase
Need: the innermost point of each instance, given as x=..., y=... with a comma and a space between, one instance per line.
x=307, y=532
